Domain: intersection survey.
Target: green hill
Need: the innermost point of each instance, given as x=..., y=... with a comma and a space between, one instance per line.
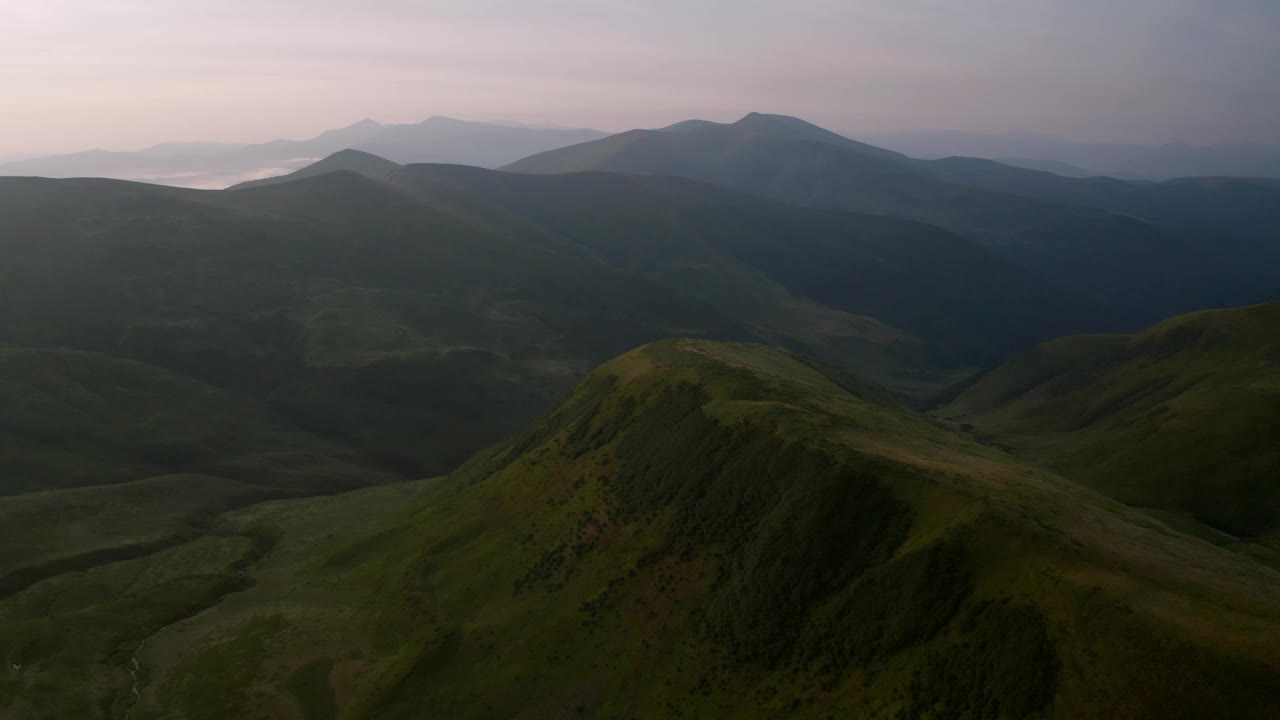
x=703, y=530
x=1144, y=271
x=418, y=318
x=1182, y=417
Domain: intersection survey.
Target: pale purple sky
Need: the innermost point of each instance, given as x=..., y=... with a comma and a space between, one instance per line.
x=120, y=74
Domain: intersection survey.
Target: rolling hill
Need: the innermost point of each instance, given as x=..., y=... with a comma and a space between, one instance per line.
x=1180, y=418
x=218, y=165
x=421, y=317
x=701, y=529
x=1145, y=271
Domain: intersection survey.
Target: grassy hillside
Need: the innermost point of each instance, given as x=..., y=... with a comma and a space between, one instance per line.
x=419, y=318
x=1182, y=417
x=73, y=418
x=706, y=530
x=1145, y=272
x=59, y=531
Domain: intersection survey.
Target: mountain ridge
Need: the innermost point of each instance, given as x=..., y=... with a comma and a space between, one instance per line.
x=1173, y=418
x=646, y=534
x=1104, y=250
x=218, y=165
x=1121, y=160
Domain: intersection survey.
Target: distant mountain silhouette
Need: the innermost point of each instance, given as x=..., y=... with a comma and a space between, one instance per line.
x=218, y=165
x=1042, y=152
x=1051, y=166
x=1239, y=218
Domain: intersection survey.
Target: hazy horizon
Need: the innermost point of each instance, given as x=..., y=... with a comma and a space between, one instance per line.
x=125, y=74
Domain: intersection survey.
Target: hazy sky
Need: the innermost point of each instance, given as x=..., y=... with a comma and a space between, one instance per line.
x=121, y=74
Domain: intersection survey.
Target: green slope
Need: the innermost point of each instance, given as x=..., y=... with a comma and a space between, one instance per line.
x=1182, y=417
x=717, y=530
x=68, y=531
x=1145, y=272
x=72, y=418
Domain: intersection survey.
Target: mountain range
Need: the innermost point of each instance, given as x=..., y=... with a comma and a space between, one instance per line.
x=218, y=165
x=718, y=420
x=455, y=302
x=1146, y=250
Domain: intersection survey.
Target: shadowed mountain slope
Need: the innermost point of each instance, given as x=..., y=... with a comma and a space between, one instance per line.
x=1238, y=217
x=1145, y=272
x=71, y=418
x=453, y=304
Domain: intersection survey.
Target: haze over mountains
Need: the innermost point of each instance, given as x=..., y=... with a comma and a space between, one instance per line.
x=738, y=419
x=213, y=165
x=1080, y=159
x=217, y=165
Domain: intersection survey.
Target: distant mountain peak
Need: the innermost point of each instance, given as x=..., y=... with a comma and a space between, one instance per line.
x=349, y=154
x=768, y=120
x=354, y=133
x=348, y=160
x=685, y=125
x=443, y=120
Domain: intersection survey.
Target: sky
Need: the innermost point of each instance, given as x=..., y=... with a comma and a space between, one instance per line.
x=122, y=74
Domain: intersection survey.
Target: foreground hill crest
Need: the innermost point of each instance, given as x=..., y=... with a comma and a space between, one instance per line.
x=725, y=527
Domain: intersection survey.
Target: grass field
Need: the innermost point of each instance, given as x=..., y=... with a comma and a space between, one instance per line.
x=1181, y=418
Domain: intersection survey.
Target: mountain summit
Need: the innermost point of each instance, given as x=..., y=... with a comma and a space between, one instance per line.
x=722, y=526
x=361, y=163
